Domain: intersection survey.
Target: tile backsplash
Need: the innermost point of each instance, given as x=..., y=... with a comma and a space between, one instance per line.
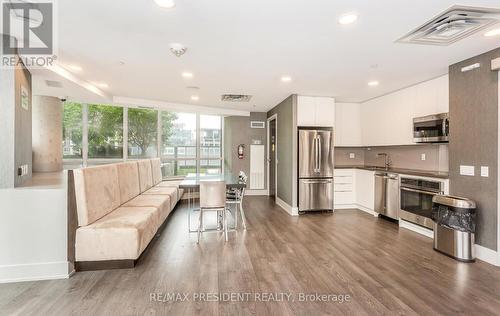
x=408, y=157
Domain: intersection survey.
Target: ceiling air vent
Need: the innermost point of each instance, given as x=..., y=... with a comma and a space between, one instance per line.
x=236, y=97
x=452, y=25
x=53, y=84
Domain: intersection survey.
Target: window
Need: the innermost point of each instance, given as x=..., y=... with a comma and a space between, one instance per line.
x=211, y=144
x=72, y=130
x=105, y=131
x=178, y=143
x=93, y=134
x=142, y=133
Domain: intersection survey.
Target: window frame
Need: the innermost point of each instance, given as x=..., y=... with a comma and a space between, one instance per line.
x=85, y=161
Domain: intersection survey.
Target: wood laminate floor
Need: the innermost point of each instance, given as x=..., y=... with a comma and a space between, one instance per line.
x=385, y=270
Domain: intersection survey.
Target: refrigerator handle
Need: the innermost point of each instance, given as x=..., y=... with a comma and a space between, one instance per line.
x=319, y=153
x=316, y=154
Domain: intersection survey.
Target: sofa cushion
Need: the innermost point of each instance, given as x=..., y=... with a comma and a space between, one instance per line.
x=97, y=192
x=156, y=170
x=122, y=234
x=161, y=202
x=170, y=191
x=128, y=180
x=145, y=175
x=170, y=183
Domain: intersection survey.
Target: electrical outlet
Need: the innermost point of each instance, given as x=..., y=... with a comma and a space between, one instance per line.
x=352, y=155
x=423, y=157
x=485, y=171
x=467, y=171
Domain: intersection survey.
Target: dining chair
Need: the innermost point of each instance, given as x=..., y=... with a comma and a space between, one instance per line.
x=235, y=197
x=212, y=198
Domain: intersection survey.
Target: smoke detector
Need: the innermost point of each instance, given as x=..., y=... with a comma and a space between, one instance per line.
x=456, y=23
x=178, y=49
x=236, y=97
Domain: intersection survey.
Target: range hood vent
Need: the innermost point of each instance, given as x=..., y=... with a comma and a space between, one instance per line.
x=454, y=24
x=236, y=97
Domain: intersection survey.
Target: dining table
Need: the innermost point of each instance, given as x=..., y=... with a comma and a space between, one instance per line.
x=191, y=184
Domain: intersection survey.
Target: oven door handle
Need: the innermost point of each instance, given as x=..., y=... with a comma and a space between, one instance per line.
x=420, y=191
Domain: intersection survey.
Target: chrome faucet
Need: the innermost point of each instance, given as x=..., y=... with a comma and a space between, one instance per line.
x=387, y=160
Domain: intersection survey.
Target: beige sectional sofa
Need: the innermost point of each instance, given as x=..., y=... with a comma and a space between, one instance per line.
x=120, y=208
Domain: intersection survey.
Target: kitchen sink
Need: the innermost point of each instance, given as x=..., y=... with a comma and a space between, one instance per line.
x=377, y=168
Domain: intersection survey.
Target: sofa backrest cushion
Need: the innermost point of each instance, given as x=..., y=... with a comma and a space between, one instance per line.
x=145, y=175
x=97, y=192
x=128, y=180
x=156, y=170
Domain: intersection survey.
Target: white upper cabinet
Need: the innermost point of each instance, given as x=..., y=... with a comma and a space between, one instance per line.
x=315, y=111
x=348, y=124
x=388, y=120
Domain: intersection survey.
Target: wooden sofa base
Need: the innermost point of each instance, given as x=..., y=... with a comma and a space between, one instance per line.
x=104, y=265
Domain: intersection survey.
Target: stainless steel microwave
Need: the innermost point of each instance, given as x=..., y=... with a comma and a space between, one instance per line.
x=431, y=129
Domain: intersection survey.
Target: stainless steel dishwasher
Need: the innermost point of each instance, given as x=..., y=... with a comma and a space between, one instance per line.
x=387, y=194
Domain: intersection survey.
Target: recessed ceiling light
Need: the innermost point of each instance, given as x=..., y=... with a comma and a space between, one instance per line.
x=187, y=74
x=493, y=32
x=75, y=67
x=348, y=18
x=101, y=85
x=373, y=83
x=195, y=97
x=166, y=4
x=286, y=79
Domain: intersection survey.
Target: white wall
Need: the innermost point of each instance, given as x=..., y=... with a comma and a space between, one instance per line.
x=33, y=234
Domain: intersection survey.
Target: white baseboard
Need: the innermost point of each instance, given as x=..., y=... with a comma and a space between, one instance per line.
x=293, y=211
x=355, y=206
x=257, y=192
x=34, y=272
x=487, y=255
x=416, y=228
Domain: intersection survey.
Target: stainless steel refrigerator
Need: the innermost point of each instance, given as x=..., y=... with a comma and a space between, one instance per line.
x=315, y=169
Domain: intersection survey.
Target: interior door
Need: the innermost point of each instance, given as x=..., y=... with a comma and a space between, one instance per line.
x=272, y=158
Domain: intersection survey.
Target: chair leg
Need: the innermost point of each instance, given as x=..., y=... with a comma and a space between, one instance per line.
x=235, y=216
x=200, y=223
x=225, y=224
x=243, y=218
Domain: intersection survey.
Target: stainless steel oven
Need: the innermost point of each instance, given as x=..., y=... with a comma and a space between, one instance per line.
x=431, y=129
x=416, y=200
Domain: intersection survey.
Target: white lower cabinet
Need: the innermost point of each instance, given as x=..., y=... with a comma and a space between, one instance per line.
x=354, y=188
x=344, y=183
x=365, y=189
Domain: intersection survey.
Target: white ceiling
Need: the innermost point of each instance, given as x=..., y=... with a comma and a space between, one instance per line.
x=241, y=46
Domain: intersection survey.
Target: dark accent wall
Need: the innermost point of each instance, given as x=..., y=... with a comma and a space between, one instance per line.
x=15, y=125
x=237, y=131
x=23, y=124
x=287, y=149
x=474, y=140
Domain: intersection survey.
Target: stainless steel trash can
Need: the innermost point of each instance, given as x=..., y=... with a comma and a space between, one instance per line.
x=454, y=226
